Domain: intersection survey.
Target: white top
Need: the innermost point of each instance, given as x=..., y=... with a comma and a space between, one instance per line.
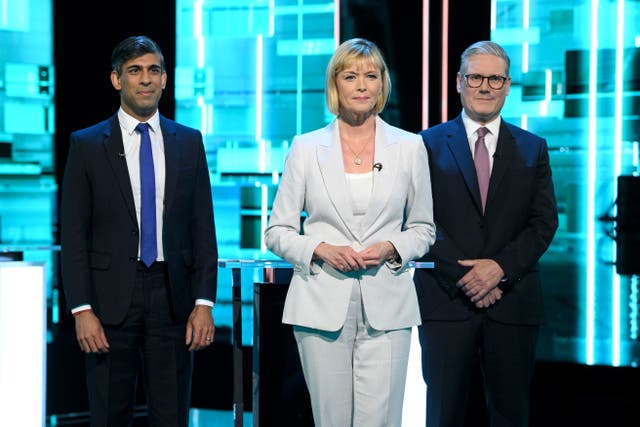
x=360, y=187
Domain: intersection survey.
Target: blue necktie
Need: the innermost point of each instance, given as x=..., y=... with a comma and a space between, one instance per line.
x=148, y=239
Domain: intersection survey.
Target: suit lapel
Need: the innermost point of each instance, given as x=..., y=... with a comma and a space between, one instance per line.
x=114, y=148
x=383, y=179
x=459, y=146
x=171, y=159
x=330, y=161
x=501, y=160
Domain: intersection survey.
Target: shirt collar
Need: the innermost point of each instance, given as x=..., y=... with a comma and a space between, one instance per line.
x=471, y=127
x=129, y=123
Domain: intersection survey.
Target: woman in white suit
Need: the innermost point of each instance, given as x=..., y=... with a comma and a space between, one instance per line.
x=365, y=188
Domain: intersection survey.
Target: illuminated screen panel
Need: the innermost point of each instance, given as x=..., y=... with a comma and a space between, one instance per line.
x=250, y=76
x=574, y=83
x=28, y=189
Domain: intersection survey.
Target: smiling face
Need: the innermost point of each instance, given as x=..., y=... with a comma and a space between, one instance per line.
x=483, y=104
x=359, y=87
x=140, y=82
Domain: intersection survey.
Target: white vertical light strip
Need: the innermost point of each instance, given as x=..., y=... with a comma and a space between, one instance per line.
x=548, y=81
x=22, y=344
x=525, y=52
x=336, y=22
x=617, y=170
x=525, y=43
x=445, y=62
x=197, y=31
x=262, y=155
x=259, y=83
x=264, y=215
x=544, y=104
x=199, y=39
x=425, y=64
x=300, y=39
x=591, y=185
x=493, y=15
x=204, y=119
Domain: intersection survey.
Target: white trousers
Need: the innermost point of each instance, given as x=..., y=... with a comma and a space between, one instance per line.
x=356, y=375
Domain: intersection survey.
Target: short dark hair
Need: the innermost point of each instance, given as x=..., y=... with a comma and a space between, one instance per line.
x=134, y=47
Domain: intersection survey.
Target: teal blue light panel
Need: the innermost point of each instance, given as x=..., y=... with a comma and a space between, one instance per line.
x=250, y=75
x=27, y=115
x=575, y=67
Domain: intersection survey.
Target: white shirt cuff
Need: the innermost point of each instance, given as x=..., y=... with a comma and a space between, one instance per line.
x=202, y=301
x=80, y=308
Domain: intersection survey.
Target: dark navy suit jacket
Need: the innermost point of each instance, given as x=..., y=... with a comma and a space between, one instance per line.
x=99, y=233
x=518, y=225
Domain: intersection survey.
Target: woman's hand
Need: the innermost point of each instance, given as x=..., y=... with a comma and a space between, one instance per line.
x=379, y=253
x=343, y=258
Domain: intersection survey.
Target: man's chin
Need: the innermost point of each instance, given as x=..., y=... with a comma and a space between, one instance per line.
x=145, y=110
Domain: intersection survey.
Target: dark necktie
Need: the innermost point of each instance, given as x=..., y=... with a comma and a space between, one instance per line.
x=481, y=160
x=148, y=239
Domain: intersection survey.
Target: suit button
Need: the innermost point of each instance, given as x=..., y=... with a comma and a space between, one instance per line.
x=134, y=232
x=132, y=259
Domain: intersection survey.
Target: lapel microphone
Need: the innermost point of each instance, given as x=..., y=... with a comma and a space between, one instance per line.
x=377, y=166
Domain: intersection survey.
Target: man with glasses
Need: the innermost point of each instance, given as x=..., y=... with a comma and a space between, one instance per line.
x=495, y=214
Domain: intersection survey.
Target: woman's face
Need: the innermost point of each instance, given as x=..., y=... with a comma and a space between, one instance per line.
x=359, y=87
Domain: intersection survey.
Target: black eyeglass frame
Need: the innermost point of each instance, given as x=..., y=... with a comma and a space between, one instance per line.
x=498, y=81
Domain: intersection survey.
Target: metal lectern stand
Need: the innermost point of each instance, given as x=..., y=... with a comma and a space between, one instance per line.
x=236, y=266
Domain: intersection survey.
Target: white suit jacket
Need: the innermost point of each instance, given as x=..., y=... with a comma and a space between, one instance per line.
x=400, y=211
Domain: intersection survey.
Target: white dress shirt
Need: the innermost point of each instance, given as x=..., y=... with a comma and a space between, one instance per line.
x=490, y=139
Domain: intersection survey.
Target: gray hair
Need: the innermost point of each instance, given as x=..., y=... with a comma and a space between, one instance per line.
x=484, y=47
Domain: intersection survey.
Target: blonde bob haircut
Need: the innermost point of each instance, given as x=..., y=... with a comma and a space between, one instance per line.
x=349, y=52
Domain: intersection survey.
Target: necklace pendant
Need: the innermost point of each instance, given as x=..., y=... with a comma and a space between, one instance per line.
x=357, y=160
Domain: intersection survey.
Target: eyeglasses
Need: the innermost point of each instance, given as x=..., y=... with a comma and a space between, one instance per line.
x=475, y=81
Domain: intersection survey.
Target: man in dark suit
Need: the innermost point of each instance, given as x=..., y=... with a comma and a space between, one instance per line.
x=139, y=254
x=482, y=305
